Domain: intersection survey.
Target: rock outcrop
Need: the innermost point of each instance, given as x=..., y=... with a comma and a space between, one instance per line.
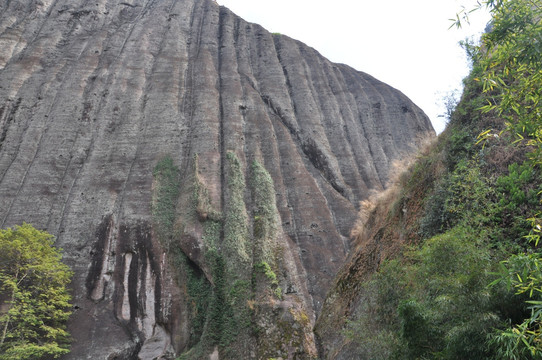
x=187, y=160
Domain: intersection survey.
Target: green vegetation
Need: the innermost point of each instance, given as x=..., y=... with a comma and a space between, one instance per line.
x=237, y=252
x=511, y=63
x=223, y=308
x=33, y=289
x=265, y=214
x=460, y=194
x=448, y=311
x=236, y=246
x=165, y=197
x=469, y=284
x=266, y=225
x=218, y=311
x=227, y=314
x=432, y=302
x=200, y=291
x=265, y=269
x=223, y=285
x=271, y=277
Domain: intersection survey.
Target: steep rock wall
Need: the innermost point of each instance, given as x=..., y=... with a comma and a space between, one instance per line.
x=93, y=95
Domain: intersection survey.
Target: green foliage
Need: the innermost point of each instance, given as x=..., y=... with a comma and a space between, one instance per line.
x=218, y=309
x=270, y=275
x=376, y=328
x=210, y=306
x=266, y=221
x=228, y=310
x=460, y=195
x=221, y=310
x=517, y=197
x=451, y=270
x=165, y=196
x=34, y=281
x=447, y=292
x=511, y=63
x=434, y=303
x=459, y=146
x=467, y=115
x=236, y=246
x=417, y=330
x=218, y=301
x=469, y=194
x=523, y=273
x=221, y=313
x=240, y=318
x=513, y=187
x=211, y=234
x=380, y=345
x=199, y=290
x=265, y=269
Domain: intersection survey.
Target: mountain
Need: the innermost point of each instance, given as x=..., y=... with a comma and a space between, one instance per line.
x=201, y=174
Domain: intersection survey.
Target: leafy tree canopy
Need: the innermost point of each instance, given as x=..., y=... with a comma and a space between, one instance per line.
x=34, y=301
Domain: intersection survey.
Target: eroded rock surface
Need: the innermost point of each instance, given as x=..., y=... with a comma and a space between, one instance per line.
x=94, y=94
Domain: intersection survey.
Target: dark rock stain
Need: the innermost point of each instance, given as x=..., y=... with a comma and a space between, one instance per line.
x=136, y=240
x=320, y=162
x=97, y=253
x=9, y=120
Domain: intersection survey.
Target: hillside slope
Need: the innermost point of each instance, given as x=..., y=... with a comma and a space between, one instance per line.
x=446, y=263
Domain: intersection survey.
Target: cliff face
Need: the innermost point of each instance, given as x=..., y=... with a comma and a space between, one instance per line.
x=169, y=144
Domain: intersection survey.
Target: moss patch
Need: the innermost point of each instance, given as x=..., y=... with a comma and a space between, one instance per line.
x=265, y=214
x=165, y=197
x=236, y=246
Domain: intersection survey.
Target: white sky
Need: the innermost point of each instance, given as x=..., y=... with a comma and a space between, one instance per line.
x=405, y=43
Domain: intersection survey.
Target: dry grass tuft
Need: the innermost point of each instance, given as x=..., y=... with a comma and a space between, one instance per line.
x=382, y=201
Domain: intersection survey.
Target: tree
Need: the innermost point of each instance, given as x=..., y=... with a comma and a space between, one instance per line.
x=523, y=273
x=33, y=295
x=510, y=59
x=513, y=69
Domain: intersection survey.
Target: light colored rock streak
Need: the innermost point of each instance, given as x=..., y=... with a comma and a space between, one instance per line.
x=125, y=309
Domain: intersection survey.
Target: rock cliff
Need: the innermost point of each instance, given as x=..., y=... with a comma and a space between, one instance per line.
x=201, y=174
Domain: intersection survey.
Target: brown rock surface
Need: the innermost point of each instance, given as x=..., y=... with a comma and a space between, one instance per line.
x=94, y=93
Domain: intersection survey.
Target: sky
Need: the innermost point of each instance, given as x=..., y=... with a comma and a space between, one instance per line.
x=404, y=43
